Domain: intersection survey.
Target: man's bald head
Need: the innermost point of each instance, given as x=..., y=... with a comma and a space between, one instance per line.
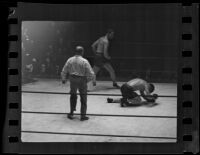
x=79, y=50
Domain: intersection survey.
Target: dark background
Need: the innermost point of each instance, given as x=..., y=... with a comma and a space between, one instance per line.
x=145, y=45
x=74, y=12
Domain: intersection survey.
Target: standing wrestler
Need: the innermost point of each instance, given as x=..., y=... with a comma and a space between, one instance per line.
x=130, y=97
x=102, y=58
x=79, y=72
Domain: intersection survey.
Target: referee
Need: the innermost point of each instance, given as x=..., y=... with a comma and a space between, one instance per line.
x=79, y=72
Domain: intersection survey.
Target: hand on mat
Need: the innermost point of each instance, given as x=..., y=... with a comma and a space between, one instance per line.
x=151, y=98
x=155, y=96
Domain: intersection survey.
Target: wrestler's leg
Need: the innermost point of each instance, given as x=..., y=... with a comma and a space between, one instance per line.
x=133, y=98
x=135, y=101
x=111, y=71
x=118, y=100
x=111, y=100
x=96, y=70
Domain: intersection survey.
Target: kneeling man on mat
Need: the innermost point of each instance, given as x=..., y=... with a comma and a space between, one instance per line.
x=129, y=95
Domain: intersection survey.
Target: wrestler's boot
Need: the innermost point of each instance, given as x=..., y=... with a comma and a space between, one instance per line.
x=116, y=85
x=109, y=100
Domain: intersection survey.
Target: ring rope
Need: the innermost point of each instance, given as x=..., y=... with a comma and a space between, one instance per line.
x=59, y=113
x=144, y=58
x=84, y=134
x=95, y=115
x=62, y=93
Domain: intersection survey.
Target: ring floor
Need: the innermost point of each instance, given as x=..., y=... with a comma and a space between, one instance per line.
x=146, y=127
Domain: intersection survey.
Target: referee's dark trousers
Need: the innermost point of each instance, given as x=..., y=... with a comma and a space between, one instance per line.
x=78, y=83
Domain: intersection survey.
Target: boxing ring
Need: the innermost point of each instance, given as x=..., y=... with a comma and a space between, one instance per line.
x=45, y=104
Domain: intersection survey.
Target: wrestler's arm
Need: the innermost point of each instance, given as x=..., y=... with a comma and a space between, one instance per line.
x=145, y=93
x=147, y=96
x=105, y=52
x=94, y=46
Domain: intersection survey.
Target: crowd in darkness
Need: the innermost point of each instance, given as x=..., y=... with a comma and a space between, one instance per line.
x=44, y=55
x=47, y=45
x=48, y=65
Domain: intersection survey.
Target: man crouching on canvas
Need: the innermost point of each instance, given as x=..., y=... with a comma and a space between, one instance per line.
x=129, y=95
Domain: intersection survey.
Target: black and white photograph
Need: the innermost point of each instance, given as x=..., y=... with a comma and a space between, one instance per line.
x=109, y=78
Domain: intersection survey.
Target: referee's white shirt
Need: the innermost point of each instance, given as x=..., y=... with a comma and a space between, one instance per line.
x=78, y=66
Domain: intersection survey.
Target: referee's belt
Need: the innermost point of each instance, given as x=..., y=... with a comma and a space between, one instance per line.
x=77, y=76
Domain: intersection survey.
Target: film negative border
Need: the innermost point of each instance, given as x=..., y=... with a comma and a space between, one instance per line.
x=189, y=36
x=188, y=70
x=13, y=105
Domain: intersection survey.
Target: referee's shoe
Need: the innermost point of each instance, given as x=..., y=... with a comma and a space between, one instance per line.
x=84, y=118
